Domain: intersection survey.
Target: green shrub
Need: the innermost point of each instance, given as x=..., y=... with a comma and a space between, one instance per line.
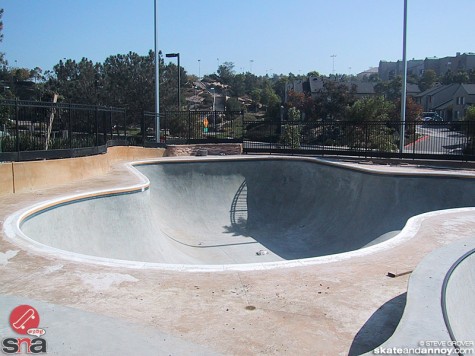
x=290, y=136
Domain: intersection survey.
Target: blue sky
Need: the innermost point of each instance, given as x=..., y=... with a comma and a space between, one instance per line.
x=280, y=36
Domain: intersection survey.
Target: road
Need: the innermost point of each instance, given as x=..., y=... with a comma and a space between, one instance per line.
x=437, y=140
x=433, y=139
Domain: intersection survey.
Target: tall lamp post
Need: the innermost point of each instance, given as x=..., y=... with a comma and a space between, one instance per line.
x=177, y=55
x=214, y=110
x=157, y=73
x=404, y=81
x=199, y=70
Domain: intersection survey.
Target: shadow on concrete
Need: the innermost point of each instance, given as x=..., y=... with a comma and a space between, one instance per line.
x=379, y=327
x=300, y=210
x=238, y=212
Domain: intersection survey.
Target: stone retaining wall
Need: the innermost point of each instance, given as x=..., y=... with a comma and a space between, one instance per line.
x=227, y=149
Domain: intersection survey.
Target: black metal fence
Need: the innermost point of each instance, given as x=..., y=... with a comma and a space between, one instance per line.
x=202, y=126
x=56, y=129
x=437, y=140
x=38, y=130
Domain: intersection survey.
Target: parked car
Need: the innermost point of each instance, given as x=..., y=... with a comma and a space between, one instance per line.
x=429, y=117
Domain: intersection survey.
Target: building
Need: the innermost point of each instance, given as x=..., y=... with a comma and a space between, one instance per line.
x=390, y=70
x=313, y=86
x=416, y=67
x=449, y=101
x=463, y=98
x=367, y=73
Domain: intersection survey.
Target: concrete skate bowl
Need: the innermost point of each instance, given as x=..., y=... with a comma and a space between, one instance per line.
x=440, y=307
x=236, y=212
x=458, y=304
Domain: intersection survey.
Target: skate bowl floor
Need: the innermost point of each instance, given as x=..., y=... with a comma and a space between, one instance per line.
x=243, y=211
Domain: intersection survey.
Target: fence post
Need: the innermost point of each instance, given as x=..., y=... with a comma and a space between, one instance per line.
x=242, y=127
x=270, y=139
x=104, y=125
x=164, y=126
x=189, y=126
x=17, y=129
x=414, y=123
x=70, y=130
x=324, y=139
x=292, y=135
x=142, y=128
x=110, y=123
x=125, y=125
x=96, y=113
x=468, y=142
x=366, y=139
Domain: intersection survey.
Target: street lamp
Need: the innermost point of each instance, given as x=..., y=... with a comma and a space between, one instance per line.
x=214, y=109
x=157, y=72
x=214, y=98
x=199, y=69
x=177, y=55
x=404, y=81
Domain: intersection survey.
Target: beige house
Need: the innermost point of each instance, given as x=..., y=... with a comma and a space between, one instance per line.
x=448, y=101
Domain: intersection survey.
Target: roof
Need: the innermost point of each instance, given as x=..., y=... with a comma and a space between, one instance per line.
x=412, y=88
x=439, y=88
x=469, y=88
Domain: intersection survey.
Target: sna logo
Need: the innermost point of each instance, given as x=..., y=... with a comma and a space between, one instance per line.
x=25, y=320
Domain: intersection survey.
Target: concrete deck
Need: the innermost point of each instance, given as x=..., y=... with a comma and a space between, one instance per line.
x=440, y=305
x=333, y=308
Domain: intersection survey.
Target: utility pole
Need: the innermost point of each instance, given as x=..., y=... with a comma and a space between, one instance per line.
x=404, y=83
x=333, y=60
x=157, y=73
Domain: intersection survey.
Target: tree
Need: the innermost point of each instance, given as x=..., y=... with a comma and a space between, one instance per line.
x=470, y=119
x=268, y=97
x=129, y=83
x=471, y=76
x=371, y=109
x=226, y=72
x=233, y=104
x=313, y=73
x=470, y=115
x=333, y=100
x=238, y=88
x=301, y=101
x=373, y=78
x=413, y=110
x=391, y=89
x=291, y=132
x=2, y=55
x=427, y=80
x=279, y=86
x=377, y=136
x=461, y=77
x=77, y=82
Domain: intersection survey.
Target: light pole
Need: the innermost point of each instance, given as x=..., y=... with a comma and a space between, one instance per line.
x=404, y=81
x=177, y=55
x=214, y=110
x=333, y=56
x=157, y=73
x=199, y=70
